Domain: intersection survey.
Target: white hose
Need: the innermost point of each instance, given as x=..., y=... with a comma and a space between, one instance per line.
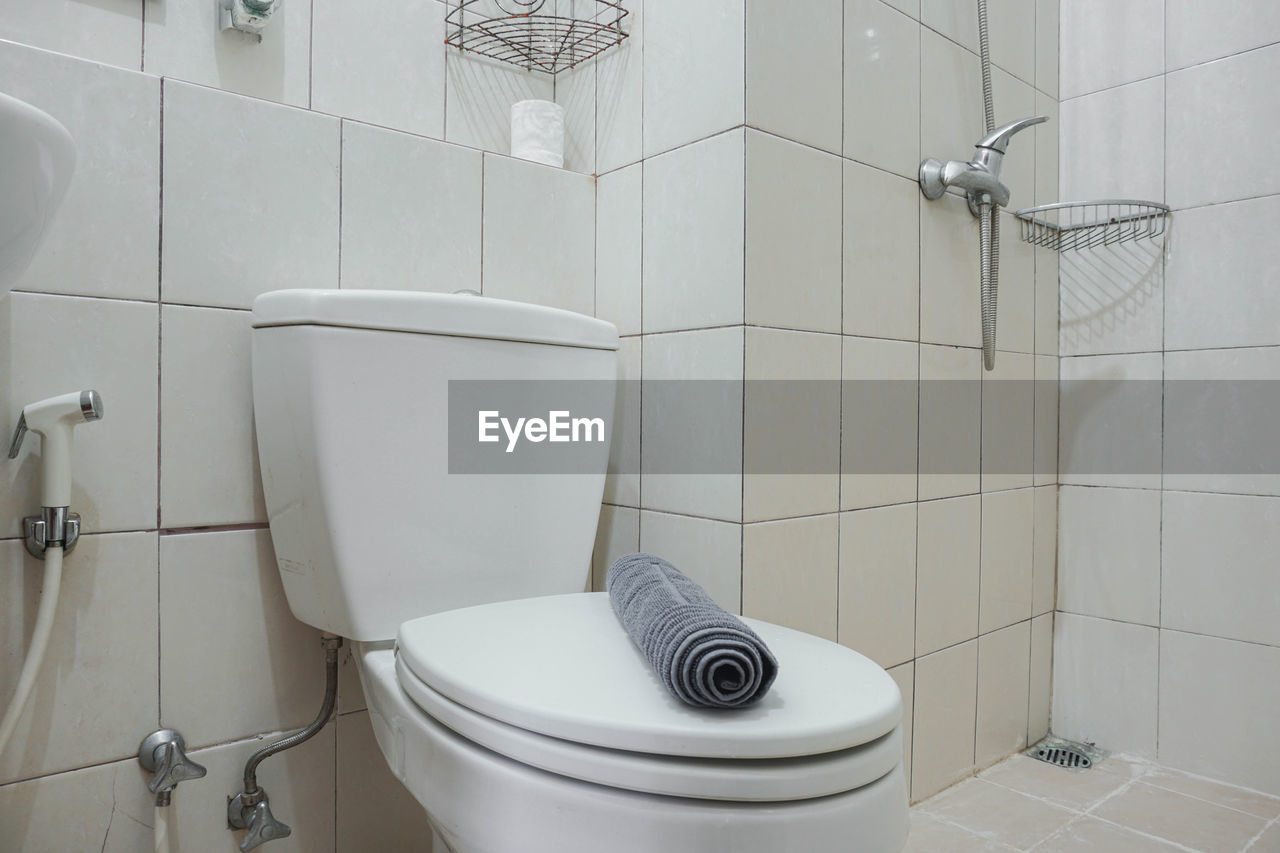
x=39, y=643
x=162, y=829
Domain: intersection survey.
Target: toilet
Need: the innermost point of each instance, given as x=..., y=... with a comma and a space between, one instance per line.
x=509, y=702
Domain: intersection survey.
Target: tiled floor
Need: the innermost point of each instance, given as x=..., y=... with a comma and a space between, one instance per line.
x=1122, y=805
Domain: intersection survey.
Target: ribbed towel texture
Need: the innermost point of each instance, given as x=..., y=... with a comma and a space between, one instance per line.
x=704, y=654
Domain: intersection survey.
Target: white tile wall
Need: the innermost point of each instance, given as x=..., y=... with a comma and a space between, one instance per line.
x=250, y=198
x=1006, y=570
x=710, y=551
x=946, y=692
x=948, y=554
x=185, y=41
x=622, y=484
x=104, y=240
x=794, y=93
x=950, y=421
x=882, y=56
x=790, y=573
x=79, y=810
x=374, y=810
x=881, y=254
x=950, y=313
x=617, y=535
x=1041, y=685
x=1113, y=143
x=479, y=96
x=950, y=99
x=1105, y=44
x=411, y=212
x=109, y=31
x=1004, y=675
x=1008, y=420
x=878, y=583
x=385, y=68
x=1202, y=30
x=618, y=247
x=1109, y=553
x=619, y=99
x=878, y=422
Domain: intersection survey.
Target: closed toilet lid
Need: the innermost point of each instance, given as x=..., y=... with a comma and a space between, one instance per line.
x=562, y=666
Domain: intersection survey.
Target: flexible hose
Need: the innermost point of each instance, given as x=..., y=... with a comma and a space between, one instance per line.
x=988, y=214
x=162, y=829
x=39, y=643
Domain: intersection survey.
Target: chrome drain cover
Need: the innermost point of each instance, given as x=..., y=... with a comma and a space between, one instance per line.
x=1073, y=756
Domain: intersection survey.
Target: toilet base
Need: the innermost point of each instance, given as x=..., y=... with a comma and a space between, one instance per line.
x=481, y=802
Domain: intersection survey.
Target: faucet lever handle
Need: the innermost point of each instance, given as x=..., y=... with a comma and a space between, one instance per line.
x=162, y=753
x=263, y=827
x=998, y=139
x=19, y=433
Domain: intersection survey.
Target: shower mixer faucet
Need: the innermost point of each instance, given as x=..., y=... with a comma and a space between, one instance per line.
x=980, y=177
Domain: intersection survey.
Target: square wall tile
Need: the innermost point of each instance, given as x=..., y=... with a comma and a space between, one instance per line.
x=881, y=87
x=300, y=781
x=109, y=346
x=1220, y=283
x=709, y=552
x=1219, y=560
x=955, y=19
x=683, y=41
x=948, y=549
x=208, y=447
x=881, y=254
x=796, y=93
x=1109, y=553
x=1004, y=673
x=375, y=811
x=1112, y=142
x=791, y=435
x=691, y=420
x=1048, y=16
x=1105, y=44
x=203, y=690
x=619, y=196
x=1237, y=93
x=539, y=234
x=96, y=661
x=620, y=97
x=104, y=239
x=240, y=220
x=109, y=31
x=622, y=482
x=1110, y=421
x=617, y=535
x=793, y=256
x=1230, y=689
x=694, y=220
x=946, y=698
x=1013, y=36
x=479, y=98
x=1045, y=442
x=1041, y=688
x=950, y=421
x=905, y=676
x=185, y=41
x=950, y=94
x=78, y=810
x=1112, y=299
x=1044, y=555
x=1201, y=30
x=879, y=401
x=411, y=211
x=1104, y=683
x=790, y=573
x=878, y=583
x=950, y=308
x=379, y=68
x=1006, y=577
x=1008, y=422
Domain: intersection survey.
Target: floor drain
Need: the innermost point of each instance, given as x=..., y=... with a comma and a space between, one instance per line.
x=1060, y=753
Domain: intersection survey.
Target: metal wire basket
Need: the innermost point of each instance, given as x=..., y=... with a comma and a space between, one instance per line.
x=1085, y=224
x=538, y=35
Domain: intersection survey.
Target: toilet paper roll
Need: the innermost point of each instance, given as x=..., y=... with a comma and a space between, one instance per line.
x=537, y=132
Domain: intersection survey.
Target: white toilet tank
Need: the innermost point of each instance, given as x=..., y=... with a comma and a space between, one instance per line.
x=351, y=403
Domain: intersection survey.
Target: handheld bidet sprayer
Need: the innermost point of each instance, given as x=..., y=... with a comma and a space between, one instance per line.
x=54, y=420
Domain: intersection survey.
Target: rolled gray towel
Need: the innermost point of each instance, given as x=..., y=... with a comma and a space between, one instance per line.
x=704, y=654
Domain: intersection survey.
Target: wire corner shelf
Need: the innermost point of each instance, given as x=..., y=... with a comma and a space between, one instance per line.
x=1086, y=224
x=537, y=35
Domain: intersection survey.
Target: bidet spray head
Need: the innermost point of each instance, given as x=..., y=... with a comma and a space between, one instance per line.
x=54, y=419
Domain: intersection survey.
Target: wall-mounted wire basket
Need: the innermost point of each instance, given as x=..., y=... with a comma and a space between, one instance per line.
x=538, y=35
x=1085, y=224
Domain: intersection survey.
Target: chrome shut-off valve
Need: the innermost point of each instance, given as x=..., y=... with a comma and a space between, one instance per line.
x=252, y=812
x=980, y=177
x=164, y=753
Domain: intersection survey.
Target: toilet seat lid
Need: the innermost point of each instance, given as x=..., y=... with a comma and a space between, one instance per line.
x=562, y=666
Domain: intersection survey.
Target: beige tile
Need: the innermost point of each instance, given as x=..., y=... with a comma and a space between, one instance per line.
x=375, y=811
x=1016, y=282
x=708, y=551
x=1004, y=659
x=878, y=583
x=796, y=94
x=1008, y=421
x=1073, y=790
x=943, y=730
x=947, y=553
x=998, y=813
x=879, y=406
x=881, y=253
x=104, y=808
x=1109, y=553
x=95, y=694
x=950, y=421
x=790, y=573
x=1089, y=833
x=931, y=835
x=792, y=431
x=1181, y=819
x=1268, y=841
x=1005, y=589
x=1044, y=551
x=617, y=535
x=1041, y=689
x=949, y=307
x=793, y=258
x=905, y=676
x=1242, y=799
x=882, y=87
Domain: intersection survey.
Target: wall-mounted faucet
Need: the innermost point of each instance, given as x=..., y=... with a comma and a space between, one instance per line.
x=980, y=176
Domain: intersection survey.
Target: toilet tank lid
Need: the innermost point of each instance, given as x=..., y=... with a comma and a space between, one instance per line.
x=457, y=314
